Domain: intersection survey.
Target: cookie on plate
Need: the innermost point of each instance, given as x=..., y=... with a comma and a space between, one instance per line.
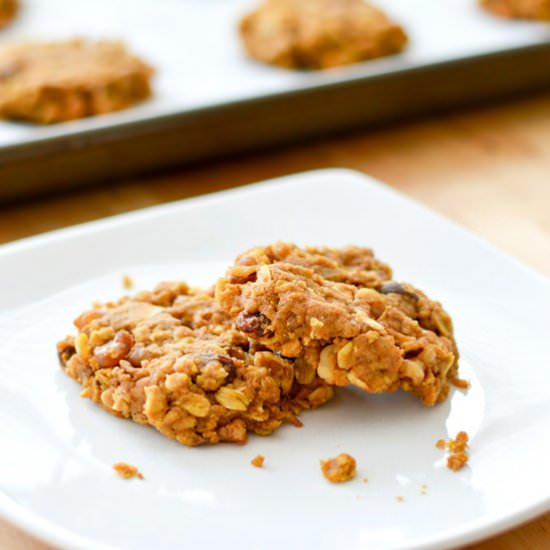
x=46, y=82
x=519, y=9
x=339, y=311
x=172, y=359
x=8, y=10
x=316, y=34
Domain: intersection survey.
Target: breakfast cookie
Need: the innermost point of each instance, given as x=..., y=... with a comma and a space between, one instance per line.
x=58, y=81
x=519, y=9
x=8, y=10
x=339, y=311
x=317, y=34
x=172, y=359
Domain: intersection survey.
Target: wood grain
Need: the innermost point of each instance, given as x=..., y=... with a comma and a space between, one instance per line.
x=488, y=169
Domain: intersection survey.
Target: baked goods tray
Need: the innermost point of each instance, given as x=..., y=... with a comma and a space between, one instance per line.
x=210, y=99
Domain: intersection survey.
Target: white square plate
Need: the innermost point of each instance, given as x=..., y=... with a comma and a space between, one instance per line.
x=56, y=477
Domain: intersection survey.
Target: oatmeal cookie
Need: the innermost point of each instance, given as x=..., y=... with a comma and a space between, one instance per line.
x=339, y=311
x=59, y=81
x=171, y=359
x=8, y=10
x=519, y=9
x=317, y=34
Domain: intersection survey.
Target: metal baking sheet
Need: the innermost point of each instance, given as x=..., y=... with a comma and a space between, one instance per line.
x=210, y=99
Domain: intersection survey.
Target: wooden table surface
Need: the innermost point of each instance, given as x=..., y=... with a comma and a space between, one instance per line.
x=488, y=169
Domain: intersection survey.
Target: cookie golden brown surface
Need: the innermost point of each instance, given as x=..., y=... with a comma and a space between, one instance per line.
x=59, y=81
x=520, y=9
x=317, y=34
x=339, y=311
x=173, y=360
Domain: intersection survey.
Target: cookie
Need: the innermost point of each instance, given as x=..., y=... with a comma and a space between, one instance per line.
x=8, y=10
x=519, y=9
x=317, y=34
x=340, y=311
x=60, y=81
x=173, y=360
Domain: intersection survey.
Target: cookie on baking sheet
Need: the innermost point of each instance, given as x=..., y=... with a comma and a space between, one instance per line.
x=317, y=34
x=519, y=9
x=48, y=82
x=8, y=10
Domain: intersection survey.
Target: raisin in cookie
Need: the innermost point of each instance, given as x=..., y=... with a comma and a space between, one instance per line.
x=316, y=34
x=339, y=311
x=173, y=360
x=59, y=81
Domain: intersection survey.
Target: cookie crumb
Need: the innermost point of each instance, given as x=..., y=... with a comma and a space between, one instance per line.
x=127, y=471
x=457, y=461
x=400, y=499
x=339, y=469
x=457, y=447
x=127, y=282
x=459, y=443
x=365, y=480
x=460, y=383
x=258, y=461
